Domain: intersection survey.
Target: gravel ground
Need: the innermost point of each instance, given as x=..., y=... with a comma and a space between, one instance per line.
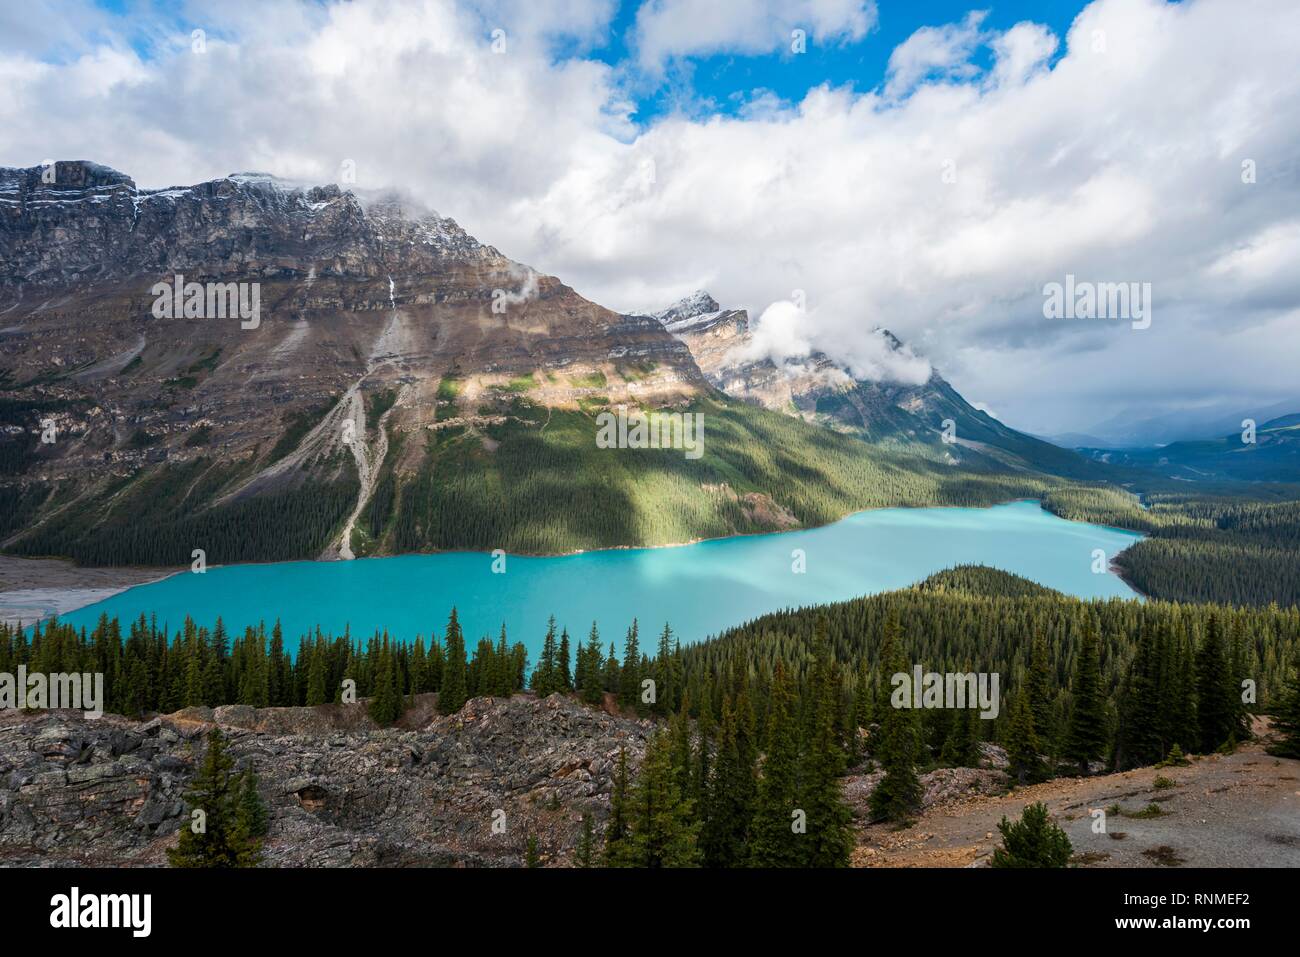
x=1238, y=810
x=36, y=588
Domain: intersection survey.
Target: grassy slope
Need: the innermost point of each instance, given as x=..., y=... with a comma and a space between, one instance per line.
x=553, y=490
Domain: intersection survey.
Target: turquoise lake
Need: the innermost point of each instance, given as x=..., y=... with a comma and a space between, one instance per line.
x=699, y=589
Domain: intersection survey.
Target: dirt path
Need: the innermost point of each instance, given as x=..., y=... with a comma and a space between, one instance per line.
x=1237, y=810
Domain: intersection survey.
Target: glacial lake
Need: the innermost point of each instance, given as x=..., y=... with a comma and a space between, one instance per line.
x=699, y=589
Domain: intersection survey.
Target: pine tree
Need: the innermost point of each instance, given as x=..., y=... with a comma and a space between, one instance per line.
x=661, y=831
x=591, y=679
x=452, y=694
x=727, y=819
x=1033, y=841
x=563, y=677
x=1216, y=706
x=1039, y=685
x=829, y=838
x=1085, y=737
x=1022, y=743
x=316, y=693
x=225, y=831
x=898, y=795
x=583, y=856
x=386, y=703
x=629, y=694
x=616, y=831
x=1137, y=740
x=1286, y=717
x=544, y=677
x=773, y=842
x=251, y=813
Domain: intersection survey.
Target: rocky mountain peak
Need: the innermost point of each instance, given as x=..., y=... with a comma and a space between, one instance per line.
x=698, y=303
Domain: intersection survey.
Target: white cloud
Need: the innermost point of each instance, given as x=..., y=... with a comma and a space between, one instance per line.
x=682, y=28
x=938, y=214
x=943, y=51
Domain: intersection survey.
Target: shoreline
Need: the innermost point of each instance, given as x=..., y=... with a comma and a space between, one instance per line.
x=53, y=587
x=37, y=589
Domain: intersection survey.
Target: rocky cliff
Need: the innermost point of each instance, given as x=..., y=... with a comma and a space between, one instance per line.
x=819, y=389
x=340, y=792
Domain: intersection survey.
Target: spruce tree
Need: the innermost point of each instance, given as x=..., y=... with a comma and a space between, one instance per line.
x=898, y=795
x=661, y=832
x=1286, y=717
x=583, y=856
x=226, y=831
x=1040, y=687
x=629, y=694
x=1216, y=699
x=773, y=842
x=1033, y=841
x=1137, y=740
x=1021, y=742
x=452, y=694
x=616, y=831
x=1085, y=736
x=386, y=702
x=829, y=838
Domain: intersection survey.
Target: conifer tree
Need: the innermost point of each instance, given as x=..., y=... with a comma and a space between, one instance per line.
x=452, y=694
x=1286, y=717
x=1033, y=841
x=1040, y=688
x=1137, y=739
x=661, y=832
x=1021, y=742
x=898, y=795
x=829, y=838
x=386, y=701
x=617, y=853
x=222, y=836
x=773, y=841
x=563, y=676
x=727, y=817
x=591, y=678
x=1216, y=700
x=583, y=856
x=1085, y=737
x=629, y=695
x=316, y=692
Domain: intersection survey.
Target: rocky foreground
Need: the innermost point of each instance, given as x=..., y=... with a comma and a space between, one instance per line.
x=342, y=792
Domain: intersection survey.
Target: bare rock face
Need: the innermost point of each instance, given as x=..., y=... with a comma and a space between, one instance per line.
x=340, y=792
x=359, y=304
x=927, y=415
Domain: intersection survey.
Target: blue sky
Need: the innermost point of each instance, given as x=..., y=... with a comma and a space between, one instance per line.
x=724, y=82
x=927, y=165
x=714, y=83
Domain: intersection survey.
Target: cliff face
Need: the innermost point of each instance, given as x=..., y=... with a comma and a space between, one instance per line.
x=340, y=792
x=818, y=389
x=360, y=306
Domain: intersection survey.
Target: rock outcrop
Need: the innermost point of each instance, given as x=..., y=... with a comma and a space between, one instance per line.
x=340, y=792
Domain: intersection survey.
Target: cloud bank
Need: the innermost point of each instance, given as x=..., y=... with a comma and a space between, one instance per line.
x=1152, y=142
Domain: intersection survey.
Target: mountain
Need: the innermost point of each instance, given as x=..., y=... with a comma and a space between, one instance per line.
x=1274, y=456
x=263, y=370
x=1127, y=430
x=819, y=390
